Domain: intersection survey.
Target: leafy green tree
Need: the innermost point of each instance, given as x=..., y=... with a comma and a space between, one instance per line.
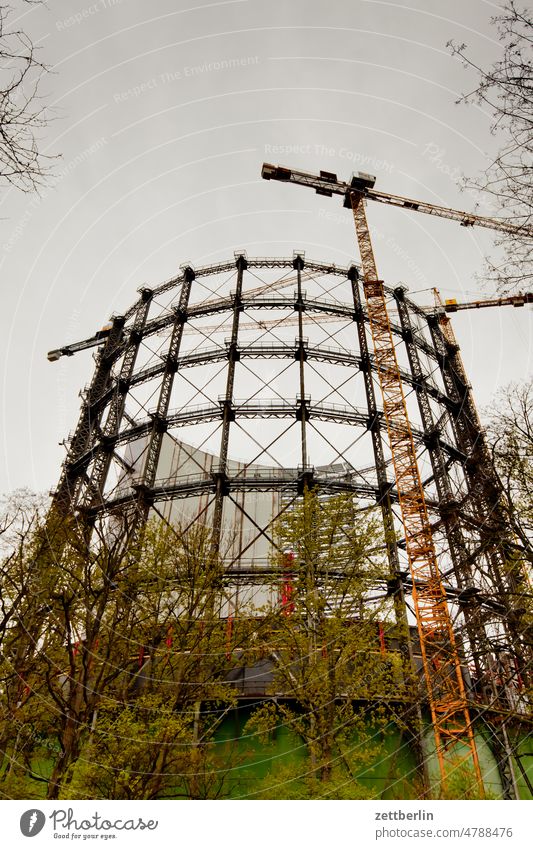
x=149, y=750
x=24, y=610
x=107, y=622
x=332, y=677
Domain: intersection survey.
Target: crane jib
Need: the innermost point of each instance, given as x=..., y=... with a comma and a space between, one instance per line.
x=326, y=183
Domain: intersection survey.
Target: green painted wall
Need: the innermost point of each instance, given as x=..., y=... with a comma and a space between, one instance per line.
x=270, y=768
x=260, y=767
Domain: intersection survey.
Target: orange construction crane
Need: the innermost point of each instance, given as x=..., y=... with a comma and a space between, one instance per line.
x=362, y=185
x=447, y=698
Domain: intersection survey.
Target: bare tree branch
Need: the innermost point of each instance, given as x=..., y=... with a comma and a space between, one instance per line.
x=22, y=114
x=507, y=89
x=510, y=434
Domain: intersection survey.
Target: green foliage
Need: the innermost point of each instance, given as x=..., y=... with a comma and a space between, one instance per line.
x=461, y=783
x=147, y=750
x=291, y=783
x=334, y=756
x=99, y=635
x=115, y=662
x=330, y=672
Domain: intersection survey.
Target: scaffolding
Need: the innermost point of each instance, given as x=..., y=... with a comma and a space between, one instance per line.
x=206, y=405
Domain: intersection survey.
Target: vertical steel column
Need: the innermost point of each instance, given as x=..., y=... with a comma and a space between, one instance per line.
x=385, y=503
x=80, y=454
x=301, y=356
x=484, y=496
x=228, y=413
x=98, y=476
x=481, y=652
x=465, y=422
x=480, y=475
x=448, y=506
x=502, y=750
x=374, y=426
x=159, y=425
x=306, y=483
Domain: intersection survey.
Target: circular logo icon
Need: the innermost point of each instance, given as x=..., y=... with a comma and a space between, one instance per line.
x=32, y=822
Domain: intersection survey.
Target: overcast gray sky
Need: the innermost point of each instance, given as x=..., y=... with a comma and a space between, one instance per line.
x=164, y=112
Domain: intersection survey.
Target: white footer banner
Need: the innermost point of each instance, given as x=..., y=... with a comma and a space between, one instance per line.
x=267, y=825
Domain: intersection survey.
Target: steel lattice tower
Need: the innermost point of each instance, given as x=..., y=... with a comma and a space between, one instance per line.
x=225, y=392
